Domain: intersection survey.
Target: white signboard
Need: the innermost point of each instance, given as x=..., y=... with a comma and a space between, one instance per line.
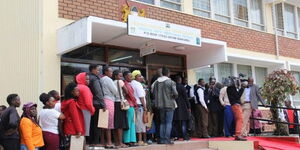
x=154, y=29
x=147, y=49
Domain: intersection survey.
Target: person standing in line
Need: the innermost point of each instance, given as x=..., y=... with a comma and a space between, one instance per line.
x=201, y=109
x=215, y=125
x=49, y=122
x=120, y=119
x=129, y=135
x=110, y=93
x=139, y=94
x=74, y=121
x=30, y=131
x=228, y=114
x=98, y=102
x=9, y=125
x=181, y=114
x=291, y=116
x=2, y=109
x=57, y=98
x=252, y=96
x=234, y=93
x=85, y=100
x=165, y=94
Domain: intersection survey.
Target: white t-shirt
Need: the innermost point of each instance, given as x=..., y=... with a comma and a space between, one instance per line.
x=138, y=91
x=49, y=120
x=121, y=84
x=57, y=107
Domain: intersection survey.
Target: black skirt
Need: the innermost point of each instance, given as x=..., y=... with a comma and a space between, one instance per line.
x=120, y=118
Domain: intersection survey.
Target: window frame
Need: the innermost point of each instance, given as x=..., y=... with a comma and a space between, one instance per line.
x=209, y=12
x=172, y=2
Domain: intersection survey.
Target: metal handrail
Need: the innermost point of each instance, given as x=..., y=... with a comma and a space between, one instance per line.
x=276, y=122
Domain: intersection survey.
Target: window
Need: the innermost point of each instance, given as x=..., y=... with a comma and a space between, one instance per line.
x=131, y=57
x=240, y=12
x=224, y=71
x=201, y=8
x=279, y=19
x=147, y=1
x=260, y=75
x=222, y=10
x=289, y=21
x=296, y=98
x=257, y=15
x=172, y=4
x=87, y=53
x=244, y=69
x=205, y=73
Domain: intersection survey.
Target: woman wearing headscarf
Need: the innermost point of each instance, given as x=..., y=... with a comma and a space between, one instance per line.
x=31, y=132
x=49, y=122
x=85, y=100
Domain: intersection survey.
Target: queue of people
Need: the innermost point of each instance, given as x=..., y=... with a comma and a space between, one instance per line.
x=176, y=110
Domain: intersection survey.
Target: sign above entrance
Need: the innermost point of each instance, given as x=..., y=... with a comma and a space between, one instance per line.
x=147, y=49
x=159, y=30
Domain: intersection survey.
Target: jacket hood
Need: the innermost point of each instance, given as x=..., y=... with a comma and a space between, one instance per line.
x=65, y=104
x=162, y=79
x=81, y=78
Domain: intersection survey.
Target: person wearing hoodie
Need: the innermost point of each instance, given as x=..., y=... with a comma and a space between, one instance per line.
x=74, y=121
x=110, y=93
x=9, y=125
x=165, y=94
x=140, y=95
x=85, y=100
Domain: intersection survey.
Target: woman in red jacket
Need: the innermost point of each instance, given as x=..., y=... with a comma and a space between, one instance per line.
x=85, y=100
x=74, y=122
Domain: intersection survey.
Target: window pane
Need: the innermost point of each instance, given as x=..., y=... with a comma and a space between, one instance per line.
x=205, y=73
x=201, y=13
x=244, y=69
x=224, y=71
x=124, y=56
x=201, y=4
x=222, y=18
x=289, y=19
x=147, y=1
x=279, y=16
x=165, y=59
x=297, y=77
x=258, y=27
x=240, y=9
x=256, y=11
x=221, y=7
x=87, y=53
x=241, y=23
x=175, y=4
x=260, y=74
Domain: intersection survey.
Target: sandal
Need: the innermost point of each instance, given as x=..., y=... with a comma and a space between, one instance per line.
x=110, y=147
x=124, y=146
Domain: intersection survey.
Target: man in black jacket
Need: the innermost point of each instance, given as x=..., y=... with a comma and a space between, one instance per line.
x=10, y=124
x=234, y=93
x=96, y=88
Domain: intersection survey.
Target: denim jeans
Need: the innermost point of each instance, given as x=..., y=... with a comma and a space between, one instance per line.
x=166, y=118
x=23, y=147
x=180, y=126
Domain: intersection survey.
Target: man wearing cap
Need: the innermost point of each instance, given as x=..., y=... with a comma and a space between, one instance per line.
x=139, y=94
x=165, y=94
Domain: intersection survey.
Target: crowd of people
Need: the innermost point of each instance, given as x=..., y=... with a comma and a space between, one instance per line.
x=139, y=113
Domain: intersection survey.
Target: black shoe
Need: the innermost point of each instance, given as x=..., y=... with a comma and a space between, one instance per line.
x=239, y=138
x=160, y=142
x=206, y=137
x=170, y=143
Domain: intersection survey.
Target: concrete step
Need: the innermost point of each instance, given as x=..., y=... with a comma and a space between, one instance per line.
x=179, y=145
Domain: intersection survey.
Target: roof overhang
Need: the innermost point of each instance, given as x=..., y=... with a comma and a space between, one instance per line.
x=110, y=32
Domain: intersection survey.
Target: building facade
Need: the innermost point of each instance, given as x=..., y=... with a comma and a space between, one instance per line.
x=243, y=31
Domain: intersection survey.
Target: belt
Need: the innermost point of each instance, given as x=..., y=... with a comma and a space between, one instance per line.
x=247, y=102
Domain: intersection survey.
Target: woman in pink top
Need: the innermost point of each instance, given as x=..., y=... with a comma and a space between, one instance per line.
x=85, y=100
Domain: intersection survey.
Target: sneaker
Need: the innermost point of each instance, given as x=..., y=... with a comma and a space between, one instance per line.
x=239, y=138
x=140, y=143
x=149, y=142
x=170, y=143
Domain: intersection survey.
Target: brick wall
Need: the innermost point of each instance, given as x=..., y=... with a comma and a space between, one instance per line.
x=236, y=37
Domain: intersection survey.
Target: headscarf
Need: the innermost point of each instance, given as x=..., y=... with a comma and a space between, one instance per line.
x=27, y=114
x=135, y=73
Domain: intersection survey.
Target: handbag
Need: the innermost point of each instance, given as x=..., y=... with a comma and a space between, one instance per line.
x=124, y=103
x=145, y=117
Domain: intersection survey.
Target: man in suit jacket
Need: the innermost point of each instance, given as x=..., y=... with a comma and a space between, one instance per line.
x=252, y=96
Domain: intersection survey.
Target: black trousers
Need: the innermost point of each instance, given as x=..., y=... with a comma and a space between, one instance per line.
x=95, y=132
x=11, y=144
